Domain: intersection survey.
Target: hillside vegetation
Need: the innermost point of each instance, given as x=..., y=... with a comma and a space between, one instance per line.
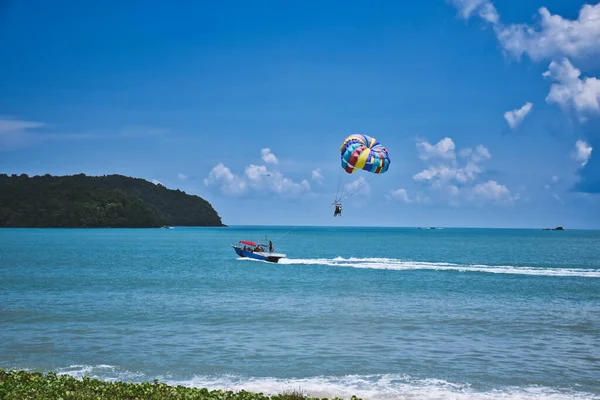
x=98, y=201
x=19, y=385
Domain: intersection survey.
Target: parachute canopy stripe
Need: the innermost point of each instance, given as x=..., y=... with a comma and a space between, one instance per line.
x=359, y=151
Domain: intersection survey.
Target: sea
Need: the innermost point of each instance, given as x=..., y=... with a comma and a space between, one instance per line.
x=380, y=313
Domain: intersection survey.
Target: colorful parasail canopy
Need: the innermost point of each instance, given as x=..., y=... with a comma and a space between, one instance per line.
x=363, y=152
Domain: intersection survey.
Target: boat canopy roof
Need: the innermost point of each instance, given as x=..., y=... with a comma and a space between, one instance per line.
x=248, y=242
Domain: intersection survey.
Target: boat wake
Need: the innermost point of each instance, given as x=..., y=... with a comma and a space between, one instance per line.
x=404, y=265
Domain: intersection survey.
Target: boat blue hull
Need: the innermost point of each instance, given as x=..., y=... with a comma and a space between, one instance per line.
x=257, y=256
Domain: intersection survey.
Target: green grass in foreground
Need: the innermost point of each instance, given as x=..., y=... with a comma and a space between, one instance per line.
x=21, y=385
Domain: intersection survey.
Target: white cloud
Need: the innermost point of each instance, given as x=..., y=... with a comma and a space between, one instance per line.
x=453, y=190
x=480, y=154
x=515, y=117
x=554, y=37
x=440, y=172
x=583, y=95
x=268, y=157
x=483, y=8
x=557, y=39
x=449, y=170
x=228, y=183
x=256, y=178
x=255, y=172
x=443, y=149
x=157, y=182
x=492, y=190
x=9, y=125
x=401, y=194
x=456, y=178
x=583, y=152
x=317, y=176
x=357, y=186
x=182, y=176
x=15, y=132
x=260, y=179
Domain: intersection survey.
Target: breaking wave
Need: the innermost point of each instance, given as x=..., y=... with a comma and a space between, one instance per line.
x=367, y=387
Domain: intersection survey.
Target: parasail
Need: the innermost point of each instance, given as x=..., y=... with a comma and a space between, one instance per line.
x=363, y=152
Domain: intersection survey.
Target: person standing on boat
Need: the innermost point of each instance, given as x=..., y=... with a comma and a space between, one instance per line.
x=271, y=246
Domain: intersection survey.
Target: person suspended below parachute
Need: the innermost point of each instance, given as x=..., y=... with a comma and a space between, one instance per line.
x=360, y=152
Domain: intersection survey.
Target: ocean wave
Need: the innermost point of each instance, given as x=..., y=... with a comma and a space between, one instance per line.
x=367, y=387
x=402, y=265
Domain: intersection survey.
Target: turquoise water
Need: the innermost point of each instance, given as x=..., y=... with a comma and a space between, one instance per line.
x=378, y=312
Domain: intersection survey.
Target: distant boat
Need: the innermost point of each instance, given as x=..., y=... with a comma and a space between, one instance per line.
x=257, y=250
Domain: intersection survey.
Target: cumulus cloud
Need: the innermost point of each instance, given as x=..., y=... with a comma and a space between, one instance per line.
x=317, y=176
x=182, y=176
x=482, y=8
x=493, y=191
x=401, y=194
x=358, y=186
x=449, y=170
x=515, y=117
x=443, y=149
x=582, y=95
x=255, y=178
x=227, y=182
x=260, y=179
x=268, y=157
x=554, y=36
x=457, y=177
x=582, y=153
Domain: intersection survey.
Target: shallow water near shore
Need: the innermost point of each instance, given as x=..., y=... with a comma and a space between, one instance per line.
x=383, y=313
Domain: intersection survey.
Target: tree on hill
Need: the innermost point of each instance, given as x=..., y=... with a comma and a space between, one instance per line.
x=98, y=201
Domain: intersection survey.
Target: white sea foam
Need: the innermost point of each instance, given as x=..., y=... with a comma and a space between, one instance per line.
x=401, y=265
x=373, y=387
x=103, y=372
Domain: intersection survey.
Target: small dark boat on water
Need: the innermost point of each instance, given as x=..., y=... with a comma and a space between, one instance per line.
x=258, y=250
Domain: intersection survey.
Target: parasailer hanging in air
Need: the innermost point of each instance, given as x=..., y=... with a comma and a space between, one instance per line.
x=359, y=151
x=338, y=210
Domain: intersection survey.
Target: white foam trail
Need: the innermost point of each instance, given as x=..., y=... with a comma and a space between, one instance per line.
x=402, y=265
x=367, y=387
x=103, y=372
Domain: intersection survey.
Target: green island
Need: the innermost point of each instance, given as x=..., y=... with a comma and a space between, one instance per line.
x=21, y=385
x=115, y=201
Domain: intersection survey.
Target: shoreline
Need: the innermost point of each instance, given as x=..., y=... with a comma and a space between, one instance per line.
x=18, y=384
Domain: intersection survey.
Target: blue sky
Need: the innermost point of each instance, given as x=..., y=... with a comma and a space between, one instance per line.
x=490, y=111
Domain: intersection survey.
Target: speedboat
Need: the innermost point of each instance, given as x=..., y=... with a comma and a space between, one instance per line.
x=257, y=250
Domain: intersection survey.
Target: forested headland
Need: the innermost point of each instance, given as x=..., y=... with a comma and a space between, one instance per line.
x=77, y=201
